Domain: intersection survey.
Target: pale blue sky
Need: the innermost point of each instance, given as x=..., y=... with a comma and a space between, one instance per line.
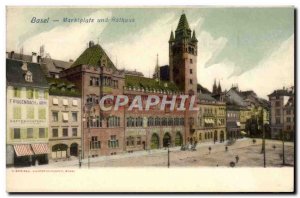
x=237, y=39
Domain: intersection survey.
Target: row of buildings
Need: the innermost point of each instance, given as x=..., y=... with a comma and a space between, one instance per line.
x=53, y=110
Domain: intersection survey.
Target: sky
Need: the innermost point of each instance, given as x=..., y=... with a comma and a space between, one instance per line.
x=251, y=47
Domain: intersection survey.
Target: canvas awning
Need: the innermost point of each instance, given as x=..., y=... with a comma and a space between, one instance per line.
x=23, y=150
x=243, y=132
x=65, y=102
x=238, y=123
x=55, y=101
x=65, y=117
x=75, y=103
x=40, y=148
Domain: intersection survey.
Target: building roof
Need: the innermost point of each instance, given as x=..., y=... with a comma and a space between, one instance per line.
x=206, y=97
x=92, y=56
x=245, y=94
x=183, y=23
x=281, y=92
x=15, y=74
x=56, y=85
x=48, y=64
x=132, y=73
x=202, y=89
x=171, y=37
x=150, y=83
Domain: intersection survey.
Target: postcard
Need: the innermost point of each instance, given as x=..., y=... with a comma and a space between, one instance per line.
x=150, y=99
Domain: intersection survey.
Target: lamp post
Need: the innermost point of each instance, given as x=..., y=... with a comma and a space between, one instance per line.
x=283, y=158
x=169, y=154
x=88, y=108
x=263, y=147
x=79, y=158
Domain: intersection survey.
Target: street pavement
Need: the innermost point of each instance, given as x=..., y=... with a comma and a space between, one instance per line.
x=249, y=155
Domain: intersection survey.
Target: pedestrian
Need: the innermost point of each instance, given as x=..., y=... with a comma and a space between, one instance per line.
x=226, y=148
x=237, y=159
x=209, y=148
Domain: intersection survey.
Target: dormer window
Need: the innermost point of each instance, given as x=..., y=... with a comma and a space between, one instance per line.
x=28, y=76
x=103, y=61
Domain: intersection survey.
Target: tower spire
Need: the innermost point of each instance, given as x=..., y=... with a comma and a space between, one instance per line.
x=156, y=74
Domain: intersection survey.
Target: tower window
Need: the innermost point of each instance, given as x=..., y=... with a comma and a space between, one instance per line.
x=191, y=71
x=191, y=61
x=191, y=81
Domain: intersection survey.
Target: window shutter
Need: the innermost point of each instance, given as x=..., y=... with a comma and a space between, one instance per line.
x=23, y=133
x=46, y=133
x=46, y=94
x=36, y=93
x=11, y=133
x=27, y=93
x=35, y=133
x=18, y=92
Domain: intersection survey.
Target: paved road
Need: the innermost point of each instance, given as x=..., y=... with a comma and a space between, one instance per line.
x=249, y=156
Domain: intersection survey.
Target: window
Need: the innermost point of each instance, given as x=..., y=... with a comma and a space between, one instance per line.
x=42, y=113
x=54, y=132
x=130, y=141
x=17, y=92
x=30, y=133
x=191, y=71
x=30, y=113
x=28, y=76
x=95, y=144
x=65, y=132
x=54, y=116
x=191, y=61
x=42, y=133
x=41, y=94
x=288, y=112
x=74, y=132
x=17, y=113
x=277, y=120
x=97, y=81
x=191, y=81
x=29, y=93
x=138, y=140
x=17, y=133
x=277, y=103
x=288, y=119
x=91, y=81
x=113, y=142
x=277, y=112
x=74, y=116
x=113, y=121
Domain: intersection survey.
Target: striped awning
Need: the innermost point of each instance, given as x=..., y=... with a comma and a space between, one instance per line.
x=40, y=148
x=23, y=150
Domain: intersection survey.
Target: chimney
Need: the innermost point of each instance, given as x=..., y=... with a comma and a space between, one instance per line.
x=12, y=54
x=34, y=57
x=39, y=59
x=91, y=43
